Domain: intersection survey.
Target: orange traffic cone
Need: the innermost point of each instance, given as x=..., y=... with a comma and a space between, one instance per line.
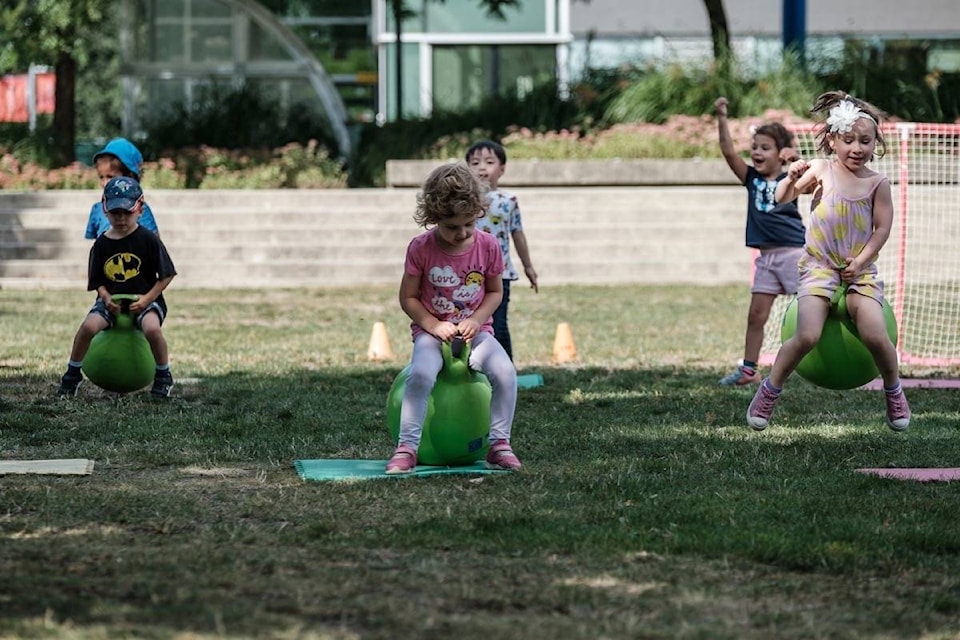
x=563, y=348
x=379, y=348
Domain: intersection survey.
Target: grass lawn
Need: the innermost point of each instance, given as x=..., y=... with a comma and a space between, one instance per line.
x=646, y=507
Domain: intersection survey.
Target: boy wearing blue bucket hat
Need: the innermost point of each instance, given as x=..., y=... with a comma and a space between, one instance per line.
x=119, y=157
x=126, y=259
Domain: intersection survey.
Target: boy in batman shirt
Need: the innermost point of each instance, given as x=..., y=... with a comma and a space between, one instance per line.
x=126, y=259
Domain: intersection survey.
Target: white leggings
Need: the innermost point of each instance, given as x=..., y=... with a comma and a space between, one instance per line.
x=486, y=356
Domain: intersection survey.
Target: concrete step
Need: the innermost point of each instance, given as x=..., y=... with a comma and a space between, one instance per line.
x=365, y=205
x=348, y=237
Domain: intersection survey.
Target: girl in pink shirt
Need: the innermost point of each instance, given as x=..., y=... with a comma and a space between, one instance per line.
x=452, y=283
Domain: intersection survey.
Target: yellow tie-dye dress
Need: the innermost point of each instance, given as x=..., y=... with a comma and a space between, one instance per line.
x=839, y=228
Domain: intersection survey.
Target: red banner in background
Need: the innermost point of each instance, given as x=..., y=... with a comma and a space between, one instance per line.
x=14, y=96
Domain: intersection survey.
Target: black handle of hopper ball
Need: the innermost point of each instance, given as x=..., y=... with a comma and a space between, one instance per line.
x=456, y=346
x=124, y=300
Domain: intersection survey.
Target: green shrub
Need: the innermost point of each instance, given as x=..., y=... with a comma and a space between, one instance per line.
x=680, y=90
x=894, y=76
x=163, y=174
x=656, y=95
x=267, y=176
x=15, y=176
x=28, y=147
x=445, y=133
x=293, y=165
x=310, y=167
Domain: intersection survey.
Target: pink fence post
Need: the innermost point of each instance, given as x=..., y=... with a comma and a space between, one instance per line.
x=903, y=177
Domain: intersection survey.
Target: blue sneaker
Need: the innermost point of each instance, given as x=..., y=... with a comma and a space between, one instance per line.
x=740, y=378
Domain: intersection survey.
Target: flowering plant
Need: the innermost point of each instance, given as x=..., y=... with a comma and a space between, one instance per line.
x=844, y=115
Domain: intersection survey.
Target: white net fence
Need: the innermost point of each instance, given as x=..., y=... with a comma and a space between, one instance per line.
x=920, y=264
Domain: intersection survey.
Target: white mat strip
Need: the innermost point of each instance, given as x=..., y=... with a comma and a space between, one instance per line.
x=65, y=467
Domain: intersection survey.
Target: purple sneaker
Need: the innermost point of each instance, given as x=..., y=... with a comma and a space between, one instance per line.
x=761, y=407
x=898, y=411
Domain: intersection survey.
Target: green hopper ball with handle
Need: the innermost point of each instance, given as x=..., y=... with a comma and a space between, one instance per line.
x=457, y=422
x=119, y=358
x=839, y=360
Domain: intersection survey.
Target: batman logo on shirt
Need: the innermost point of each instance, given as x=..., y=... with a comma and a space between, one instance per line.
x=122, y=267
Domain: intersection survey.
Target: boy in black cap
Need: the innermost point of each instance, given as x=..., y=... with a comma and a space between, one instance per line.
x=125, y=259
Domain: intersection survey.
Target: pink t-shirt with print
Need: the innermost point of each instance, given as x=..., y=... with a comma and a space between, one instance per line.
x=452, y=286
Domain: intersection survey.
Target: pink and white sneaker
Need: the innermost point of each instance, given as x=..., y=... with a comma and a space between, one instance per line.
x=761, y=407
x=404, y=460
x=898, y=411
x=501, y=456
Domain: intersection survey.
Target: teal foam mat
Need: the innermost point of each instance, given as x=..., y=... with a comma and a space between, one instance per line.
x=529, y=381
x=341, y=469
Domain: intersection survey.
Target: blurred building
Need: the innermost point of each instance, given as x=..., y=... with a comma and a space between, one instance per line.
x=313, y=55
x=340, y=57
x=609, y=33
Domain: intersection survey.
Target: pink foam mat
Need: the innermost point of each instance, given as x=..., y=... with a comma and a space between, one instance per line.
x=916, y=383
x=931, y=474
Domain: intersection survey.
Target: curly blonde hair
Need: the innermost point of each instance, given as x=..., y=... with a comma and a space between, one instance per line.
x=830, y=99
x=449, y=191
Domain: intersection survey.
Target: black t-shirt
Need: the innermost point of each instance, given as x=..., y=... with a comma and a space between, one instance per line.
x=132, y=264
x=770, y=224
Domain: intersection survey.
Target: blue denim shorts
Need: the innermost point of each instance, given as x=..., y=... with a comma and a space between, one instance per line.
x=100, y=308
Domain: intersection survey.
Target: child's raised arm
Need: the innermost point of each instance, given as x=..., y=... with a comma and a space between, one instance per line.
x=734, y=161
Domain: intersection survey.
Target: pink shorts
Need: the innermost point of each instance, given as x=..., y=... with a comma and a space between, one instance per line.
x=818, y=279
x=776, y=272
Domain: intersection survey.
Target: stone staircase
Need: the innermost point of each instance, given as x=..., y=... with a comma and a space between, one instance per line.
x=320, y=238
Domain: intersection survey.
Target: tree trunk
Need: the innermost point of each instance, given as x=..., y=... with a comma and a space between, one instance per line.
x=719, y=32
x=64, y=114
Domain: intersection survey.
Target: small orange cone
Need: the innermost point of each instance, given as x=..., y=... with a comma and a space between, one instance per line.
x=563, y=348
x=379, y=348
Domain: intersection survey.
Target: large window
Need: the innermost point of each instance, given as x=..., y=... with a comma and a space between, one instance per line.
x=463, y=76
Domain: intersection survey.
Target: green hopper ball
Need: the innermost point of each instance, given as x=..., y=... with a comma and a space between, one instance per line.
x=119, y=358
x=457, y=422
x=839, y=360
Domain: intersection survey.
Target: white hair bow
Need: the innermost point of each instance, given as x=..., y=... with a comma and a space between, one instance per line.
x=844, y=115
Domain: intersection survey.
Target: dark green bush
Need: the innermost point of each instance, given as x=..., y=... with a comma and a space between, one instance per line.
x=35, y=147
x=894, y=77
x=239, y=118
x=540, y=110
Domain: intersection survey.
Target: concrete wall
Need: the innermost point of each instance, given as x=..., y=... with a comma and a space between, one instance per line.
x=583, y=173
